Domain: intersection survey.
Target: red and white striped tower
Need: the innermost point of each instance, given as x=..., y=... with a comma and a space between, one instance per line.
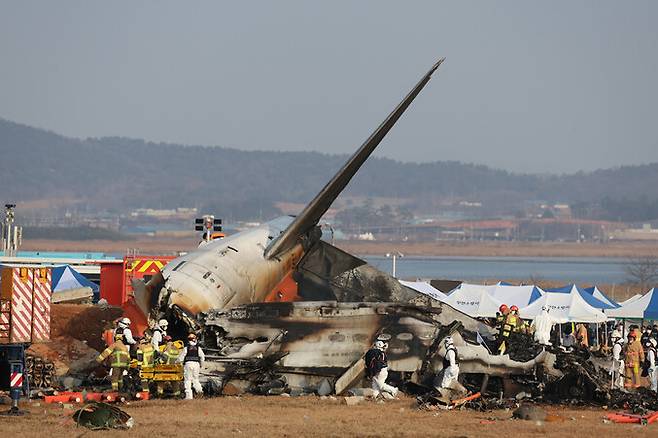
x=21, y=305
x=41, y=304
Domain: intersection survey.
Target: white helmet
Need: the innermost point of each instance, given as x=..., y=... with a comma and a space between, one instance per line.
x=124, y=322
x=379, y=345
x=448, y=341
x=653, y=342
x=163, y=324
x=615, y=334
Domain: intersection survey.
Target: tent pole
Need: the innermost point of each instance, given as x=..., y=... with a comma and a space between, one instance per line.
x=605, y=332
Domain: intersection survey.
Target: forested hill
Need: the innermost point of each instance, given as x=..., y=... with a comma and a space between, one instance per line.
x=121, y=173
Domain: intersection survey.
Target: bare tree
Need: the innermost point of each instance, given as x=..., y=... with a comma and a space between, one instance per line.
x=642, y=271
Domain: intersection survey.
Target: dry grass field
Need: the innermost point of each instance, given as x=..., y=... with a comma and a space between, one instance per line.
x=310, y=416
x=163, y=246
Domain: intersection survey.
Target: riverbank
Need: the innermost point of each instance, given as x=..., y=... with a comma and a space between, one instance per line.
x=503, y=249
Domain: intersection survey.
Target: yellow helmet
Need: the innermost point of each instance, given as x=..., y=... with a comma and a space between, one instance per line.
x=179, y=344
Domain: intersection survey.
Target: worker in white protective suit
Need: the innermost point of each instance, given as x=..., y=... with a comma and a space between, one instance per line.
x=543, y=324
x=193, y=359
x=617, y=370
x=122, y=332
x=450, y=364
x=159, y=333
x=651, y=364
x=377, y=370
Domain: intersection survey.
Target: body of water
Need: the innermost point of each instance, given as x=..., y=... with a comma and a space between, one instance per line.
x=595, y=270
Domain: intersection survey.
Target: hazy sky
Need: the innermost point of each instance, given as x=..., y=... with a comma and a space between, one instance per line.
x=526, y=86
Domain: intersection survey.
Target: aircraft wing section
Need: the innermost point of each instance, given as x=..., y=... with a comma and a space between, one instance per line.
x=312, y=213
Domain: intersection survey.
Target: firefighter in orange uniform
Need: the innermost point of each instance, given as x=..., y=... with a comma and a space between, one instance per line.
x=633, y=358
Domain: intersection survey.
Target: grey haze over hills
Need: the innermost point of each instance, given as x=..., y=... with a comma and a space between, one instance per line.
x=526, y=86
x=118, y=174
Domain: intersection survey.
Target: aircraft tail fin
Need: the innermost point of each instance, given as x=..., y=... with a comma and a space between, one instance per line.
x=312, y=213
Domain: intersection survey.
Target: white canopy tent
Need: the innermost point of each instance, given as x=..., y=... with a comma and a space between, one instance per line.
x=425, y=288
x=564, y=307
x=519, y=296
x=645, y=307
x=475, y=300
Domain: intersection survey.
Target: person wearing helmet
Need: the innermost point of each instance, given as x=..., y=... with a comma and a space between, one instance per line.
x=193, y=359
x=377, y=370
x=159, y=332
x=450, y=363
x=521, y=326
x=509, y=325
x=145, y=362
x=169, y=356
x=650, y=363
x=633, y=358
x=122, y=332
x=119, y=362
x=501, y=316
x=503, y=310
x=617, y=370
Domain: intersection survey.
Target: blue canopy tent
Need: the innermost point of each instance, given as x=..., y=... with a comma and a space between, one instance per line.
x=589, y=298
x=67, y=278
x=599, y=295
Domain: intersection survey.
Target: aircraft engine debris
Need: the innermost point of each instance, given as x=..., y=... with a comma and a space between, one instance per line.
x=101, y=416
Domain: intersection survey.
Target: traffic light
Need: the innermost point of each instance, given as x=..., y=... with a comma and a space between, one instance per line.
x=207, y=223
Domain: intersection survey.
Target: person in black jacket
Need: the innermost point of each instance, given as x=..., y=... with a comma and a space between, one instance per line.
x=377, y=370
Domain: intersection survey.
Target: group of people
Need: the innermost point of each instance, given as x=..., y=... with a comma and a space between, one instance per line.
x=508, y=324
x=634, y=358
x=161, y=349
x=376, y=365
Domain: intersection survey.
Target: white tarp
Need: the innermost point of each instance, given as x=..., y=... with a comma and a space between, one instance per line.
x=425, y=288
x=564, y=307
x=630, y=300
x=519, y=296
x=475, y=300
x=645, y=307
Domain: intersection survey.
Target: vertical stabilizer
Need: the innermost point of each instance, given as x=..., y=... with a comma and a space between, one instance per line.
x=312, y=213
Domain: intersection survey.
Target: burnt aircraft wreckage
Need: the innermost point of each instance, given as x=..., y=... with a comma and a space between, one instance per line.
x=276, y=306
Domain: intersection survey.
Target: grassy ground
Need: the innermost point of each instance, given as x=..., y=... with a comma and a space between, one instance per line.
x=311, y=416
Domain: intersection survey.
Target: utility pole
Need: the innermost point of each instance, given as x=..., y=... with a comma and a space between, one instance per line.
x=12, y=235
x=394, y=256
